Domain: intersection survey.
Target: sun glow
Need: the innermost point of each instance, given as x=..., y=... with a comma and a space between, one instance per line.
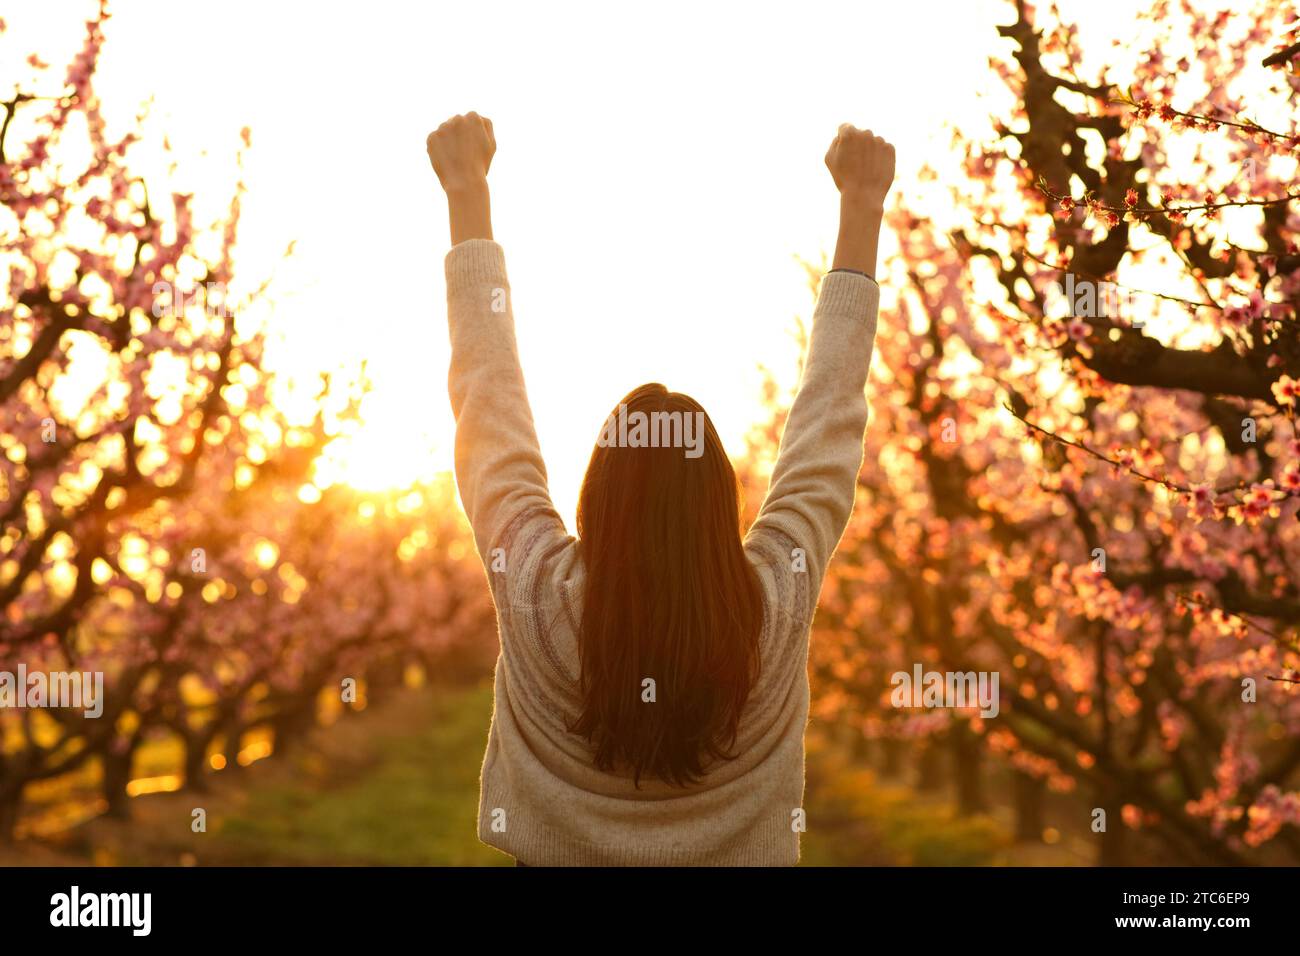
x=654, y=217
x=382, y=451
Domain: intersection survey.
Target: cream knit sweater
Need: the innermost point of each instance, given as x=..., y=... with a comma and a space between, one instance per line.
x=541, y=798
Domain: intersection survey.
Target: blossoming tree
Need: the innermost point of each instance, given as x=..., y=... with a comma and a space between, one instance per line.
x=158, y=518
x=1082, y=468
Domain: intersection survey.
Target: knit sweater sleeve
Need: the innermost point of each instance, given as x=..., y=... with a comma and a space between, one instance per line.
x=813, y=484
x=499, y=467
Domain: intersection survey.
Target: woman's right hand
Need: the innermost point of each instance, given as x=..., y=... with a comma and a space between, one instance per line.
x=460, y=151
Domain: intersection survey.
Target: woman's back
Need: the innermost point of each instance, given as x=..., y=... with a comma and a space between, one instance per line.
x=542, y=798
x=545, y=798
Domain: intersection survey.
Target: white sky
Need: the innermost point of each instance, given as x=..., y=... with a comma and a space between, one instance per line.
x=659, y=169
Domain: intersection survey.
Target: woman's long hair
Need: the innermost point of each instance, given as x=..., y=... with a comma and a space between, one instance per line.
x=670, y=597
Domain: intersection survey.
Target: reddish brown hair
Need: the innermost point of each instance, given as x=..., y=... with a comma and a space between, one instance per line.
x=669, y=596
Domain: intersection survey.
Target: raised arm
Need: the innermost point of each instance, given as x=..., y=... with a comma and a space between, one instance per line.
x=862, y=166
x=460, y=151
x=499, y=468
x=813, y=484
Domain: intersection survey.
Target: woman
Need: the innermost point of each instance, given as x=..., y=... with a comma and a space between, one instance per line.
x=652, y=689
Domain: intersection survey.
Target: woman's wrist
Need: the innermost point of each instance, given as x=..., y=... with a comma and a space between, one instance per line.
x=469, y=211
x=465, y=188
x=863, y=204
x=856, y=246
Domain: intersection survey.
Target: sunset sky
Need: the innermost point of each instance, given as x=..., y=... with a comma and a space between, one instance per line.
x=658, y=176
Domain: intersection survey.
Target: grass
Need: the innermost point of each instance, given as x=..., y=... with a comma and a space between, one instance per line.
x=855, y=819
x=410, y=797
x=398, y=785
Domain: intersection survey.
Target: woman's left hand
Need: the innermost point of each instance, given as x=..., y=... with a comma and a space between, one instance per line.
x=461, y=150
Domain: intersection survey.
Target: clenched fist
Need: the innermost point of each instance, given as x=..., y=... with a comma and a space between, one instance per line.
x=861, y=164
x=461, y=150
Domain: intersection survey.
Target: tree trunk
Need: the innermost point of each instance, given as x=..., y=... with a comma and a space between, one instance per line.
x=929, y=766
x=862, y=748
x=234, y=735
x=1030, y=797
x=968, y=765
x=891, y=757
x=291, y=723
x=1114, y=846
x=196, y=763
x=386, y=674
x=11, y=802
x=117, y=774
